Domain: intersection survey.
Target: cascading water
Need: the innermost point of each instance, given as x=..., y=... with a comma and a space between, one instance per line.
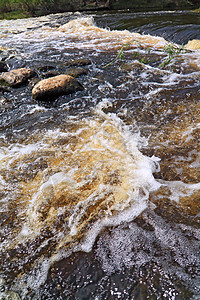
x=100, y=190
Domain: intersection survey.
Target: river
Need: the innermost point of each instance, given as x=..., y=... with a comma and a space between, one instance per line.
x=100, y=189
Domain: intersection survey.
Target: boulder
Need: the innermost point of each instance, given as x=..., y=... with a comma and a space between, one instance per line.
x=16, y=77
x=51, y=88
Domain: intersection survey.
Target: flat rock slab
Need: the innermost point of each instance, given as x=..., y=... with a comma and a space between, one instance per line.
x=51, y=88
x=16, y=77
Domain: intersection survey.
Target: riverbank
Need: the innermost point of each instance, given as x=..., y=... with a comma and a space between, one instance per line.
x=24, y=9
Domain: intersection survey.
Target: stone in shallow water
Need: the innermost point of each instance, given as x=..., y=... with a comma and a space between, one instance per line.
x=16, y=77
x=53, y=87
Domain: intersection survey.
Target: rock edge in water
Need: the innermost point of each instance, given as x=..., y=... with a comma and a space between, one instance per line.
x=53, y=87
x=3, y=66
x=16, y=77
x=193, y=45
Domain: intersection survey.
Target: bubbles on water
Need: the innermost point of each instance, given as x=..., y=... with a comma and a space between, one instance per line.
x=152, y=245
x=91, y=175
x=63, y=187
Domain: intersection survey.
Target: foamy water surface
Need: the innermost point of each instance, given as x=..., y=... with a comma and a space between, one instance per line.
x=102, y=185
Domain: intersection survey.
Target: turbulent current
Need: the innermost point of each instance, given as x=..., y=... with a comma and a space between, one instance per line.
x=100, y=189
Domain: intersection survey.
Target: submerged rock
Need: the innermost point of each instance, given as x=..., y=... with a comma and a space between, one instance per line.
x=4, y=89
x=76, y=72
x=16, y=77
x=78, y=62
x=53, y=87
x=3, y=66
x=33, y=82
x=45, y=68
x=51, y=73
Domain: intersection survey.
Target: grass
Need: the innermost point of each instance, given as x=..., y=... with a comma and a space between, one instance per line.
x=171, y=50
x=196, y=10
x=13, y=15
x=120, y=54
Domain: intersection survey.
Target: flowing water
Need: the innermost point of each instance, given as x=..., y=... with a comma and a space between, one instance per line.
x=100, y=190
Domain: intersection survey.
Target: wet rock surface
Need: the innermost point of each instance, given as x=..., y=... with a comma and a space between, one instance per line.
x=76, y=72
x=128, y=262
x=55, y=86
x=3, y=66
x=156, y=256
x=4, y=89
x=17, y=77
x=78, y=62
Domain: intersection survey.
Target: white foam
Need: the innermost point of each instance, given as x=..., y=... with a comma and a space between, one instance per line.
x=180, y=189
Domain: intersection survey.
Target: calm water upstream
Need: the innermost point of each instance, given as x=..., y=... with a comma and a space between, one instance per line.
x=100, y=190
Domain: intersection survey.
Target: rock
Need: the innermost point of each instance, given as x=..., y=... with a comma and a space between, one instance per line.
x=45, y=68
x=133, y=66
x=3, y=66
x=16, y=77
x=53, y=87
x=76, y=72
x=48, y=74
x=193, y=45
x=78, y=62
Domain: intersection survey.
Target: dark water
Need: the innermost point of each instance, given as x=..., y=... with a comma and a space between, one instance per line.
x=177, y=27
x=100, y=190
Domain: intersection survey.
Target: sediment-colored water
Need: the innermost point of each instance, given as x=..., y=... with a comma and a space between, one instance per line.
x=100, y=190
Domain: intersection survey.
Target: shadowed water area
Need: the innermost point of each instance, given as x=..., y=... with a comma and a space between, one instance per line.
x=100, y=189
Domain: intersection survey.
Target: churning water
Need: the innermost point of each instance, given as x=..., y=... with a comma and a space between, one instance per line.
x=100, y=190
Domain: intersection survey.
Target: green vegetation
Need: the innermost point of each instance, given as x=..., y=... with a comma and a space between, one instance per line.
x=14, y=15
x=120, y=55
x=21, y=8
x=26, y=8
x=197, y=10
x=171, y=50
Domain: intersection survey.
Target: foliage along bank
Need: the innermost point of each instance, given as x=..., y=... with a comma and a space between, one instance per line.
x=15, y=8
